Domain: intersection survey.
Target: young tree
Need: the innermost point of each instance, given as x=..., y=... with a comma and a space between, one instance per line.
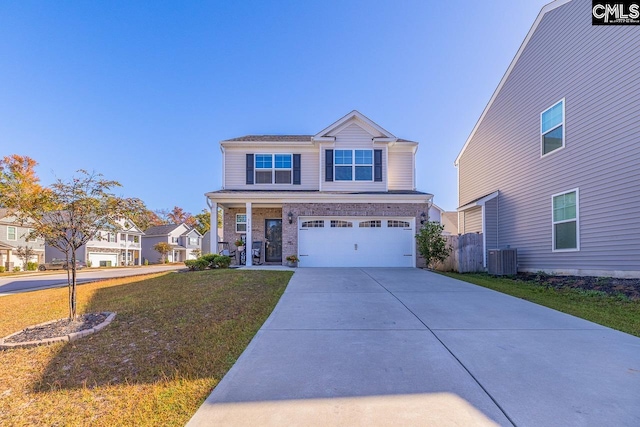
x=431, y=244
x=67, y=214
x=25, y=253
x=163, y=248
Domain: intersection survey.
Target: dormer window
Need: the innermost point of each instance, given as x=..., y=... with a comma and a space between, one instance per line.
x=273, y=168
x=353, y=165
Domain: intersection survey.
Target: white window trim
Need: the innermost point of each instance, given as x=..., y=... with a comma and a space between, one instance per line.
x=577, y=220
x=241, y=222
x=273, y=169
x=15, y=233
x=564, y=105
x=353, y=165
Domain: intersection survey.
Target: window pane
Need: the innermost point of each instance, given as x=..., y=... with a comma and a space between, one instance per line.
x=364, y=157
x=552, y=140
x=341, y=224
x=241, y=227
x=283, y=177
x=566, y=237
x=241, y=218
x=552, y=117
x=283, y=161
x=263, y=177
x=343, y=157
x=343, y=173
x=564, y=207
x=364, y=173
x=263, y=161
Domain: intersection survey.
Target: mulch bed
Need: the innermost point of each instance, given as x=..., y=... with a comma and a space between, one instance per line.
x=609, y=285
x=58, y=329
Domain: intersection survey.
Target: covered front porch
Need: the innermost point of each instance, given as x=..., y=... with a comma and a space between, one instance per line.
x=267, y=231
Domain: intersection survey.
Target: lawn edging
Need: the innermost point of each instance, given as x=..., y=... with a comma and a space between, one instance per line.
x=45, y=341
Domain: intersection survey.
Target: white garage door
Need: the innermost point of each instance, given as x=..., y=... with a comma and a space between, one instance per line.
x=356, y=242
x=103, y=260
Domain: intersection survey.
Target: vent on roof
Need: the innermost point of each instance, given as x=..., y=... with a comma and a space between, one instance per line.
x=503, y=262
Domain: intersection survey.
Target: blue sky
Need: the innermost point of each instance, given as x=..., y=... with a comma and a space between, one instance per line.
x=142, y=92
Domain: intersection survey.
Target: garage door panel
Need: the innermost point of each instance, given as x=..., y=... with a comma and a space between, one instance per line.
x=97, y=258
x=373, y=245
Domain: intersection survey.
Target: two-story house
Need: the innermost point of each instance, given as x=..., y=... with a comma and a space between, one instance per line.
x=14, y=236
x=109, y=248
x=185, y=242
x=345, y=196
x=552, y=167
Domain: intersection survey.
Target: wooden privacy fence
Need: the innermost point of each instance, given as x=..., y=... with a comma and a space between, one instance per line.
x=466, y=254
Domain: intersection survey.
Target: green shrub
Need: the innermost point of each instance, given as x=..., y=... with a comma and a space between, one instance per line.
x=146, y=261
x=196, y=264
x=431, y=244
x=210, y=259
x=2, y=269
x=16, y=268
x=223, y=261
x=32, y=266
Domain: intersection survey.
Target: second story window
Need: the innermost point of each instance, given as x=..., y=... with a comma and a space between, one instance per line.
x=193, y=241
x=11, y=233
x=353, y=165
x=552, y=128
x=273, y=168
x=174, y=240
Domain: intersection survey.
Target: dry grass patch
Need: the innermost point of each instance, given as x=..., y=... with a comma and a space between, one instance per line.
x=174, y=338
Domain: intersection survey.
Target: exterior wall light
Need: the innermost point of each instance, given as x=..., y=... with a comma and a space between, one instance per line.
x=423, y=218
x=290, y=217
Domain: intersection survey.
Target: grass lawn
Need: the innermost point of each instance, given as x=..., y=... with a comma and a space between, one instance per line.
x=613, y=311
x=173, y=339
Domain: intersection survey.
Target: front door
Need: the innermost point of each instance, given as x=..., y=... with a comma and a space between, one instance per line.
x=273, y=237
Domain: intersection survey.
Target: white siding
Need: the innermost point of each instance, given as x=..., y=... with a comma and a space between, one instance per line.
x=235, y=169
x=471, y=220
x=400, y=168
x=354, y=137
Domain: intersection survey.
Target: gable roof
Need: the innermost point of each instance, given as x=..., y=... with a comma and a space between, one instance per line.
x=547, y=8
x=273, y=138
x=328, y=133
x=161, y=230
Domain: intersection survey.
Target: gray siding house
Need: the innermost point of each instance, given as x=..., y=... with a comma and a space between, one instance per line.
x=186, y=242
x=552, y=166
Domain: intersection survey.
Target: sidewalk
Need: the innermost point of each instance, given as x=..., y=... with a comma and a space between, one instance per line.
x=409, y=347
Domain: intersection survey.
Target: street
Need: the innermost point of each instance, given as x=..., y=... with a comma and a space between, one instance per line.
x=37, y=280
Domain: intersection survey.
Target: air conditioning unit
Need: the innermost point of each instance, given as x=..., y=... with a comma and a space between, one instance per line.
x=503, y=262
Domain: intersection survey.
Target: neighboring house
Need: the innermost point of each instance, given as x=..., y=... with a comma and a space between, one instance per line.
x=109, y=248
x=185, y=242
x=553, y=165
x=450, y=222
x=345, y=196
x=14, y=236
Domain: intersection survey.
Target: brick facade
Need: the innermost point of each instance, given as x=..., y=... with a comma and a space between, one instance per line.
x=258, y=217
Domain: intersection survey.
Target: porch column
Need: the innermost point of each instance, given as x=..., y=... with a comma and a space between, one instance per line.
x=249, y=238
x=213, y=229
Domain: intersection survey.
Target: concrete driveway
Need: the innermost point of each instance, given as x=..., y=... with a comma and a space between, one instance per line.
x=408, y=347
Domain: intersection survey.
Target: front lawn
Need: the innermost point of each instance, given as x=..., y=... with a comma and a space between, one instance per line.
x=174, y=337
x=615, y=311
